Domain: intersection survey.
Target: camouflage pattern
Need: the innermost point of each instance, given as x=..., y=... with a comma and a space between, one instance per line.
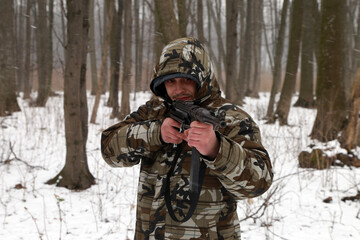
x=242, y=168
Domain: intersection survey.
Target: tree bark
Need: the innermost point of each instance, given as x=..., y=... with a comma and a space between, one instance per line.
x=138, y=53
x=28, y=38
x=103, y=61
x=352, y=134
x=182, y=16
x=306, y=96
x=8, y=101
x=330, y=93
x=277, y=61
x=75, y=174
x=92, y=48
x=245, y=71
x=49, y=50
x=288, y=88
x=231, y=48
x=216, y=19
x=126, y=78
x=20, y=40
x=239, y=92
x=167, y=27
x=115, y=60
x=200, y=21
x=104, y=73
x=257, y=20
x=42, y=47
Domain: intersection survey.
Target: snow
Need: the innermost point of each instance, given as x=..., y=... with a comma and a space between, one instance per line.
x=33, y=151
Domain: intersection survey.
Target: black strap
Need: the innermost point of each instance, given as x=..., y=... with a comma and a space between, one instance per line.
x=196, y=181
x=194, y=170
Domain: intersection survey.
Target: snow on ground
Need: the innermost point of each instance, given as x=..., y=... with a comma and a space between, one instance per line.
x=34, y=142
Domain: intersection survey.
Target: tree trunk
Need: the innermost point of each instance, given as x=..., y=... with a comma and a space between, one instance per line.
x=28, y=38
x=288, y=88
x=182, y=16
x=42, y=50
x=8, y=101
x=49, y=50
x=137, y=48
x=231, y=47
x=245, y=74
x=216, y=19
x=167, y=28
x=306, y=96
x=104, y=73
x=103, y=61
x=239, y=92
x=126, y=78
x=256, y=48
x=200, y=21
x=330, y=93
x=352, y=134
x=92, y=48
x=75, y=174
x=115, y=61
x=278, y=57
x=356, y=50
x=19, y=39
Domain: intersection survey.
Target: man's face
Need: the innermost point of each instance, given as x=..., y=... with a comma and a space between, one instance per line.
x=181, y=89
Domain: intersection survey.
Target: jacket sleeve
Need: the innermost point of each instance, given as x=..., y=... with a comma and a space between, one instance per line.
x=242, y=165
x=126, y=143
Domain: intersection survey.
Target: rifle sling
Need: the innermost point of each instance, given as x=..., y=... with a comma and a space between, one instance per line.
x=196, y=181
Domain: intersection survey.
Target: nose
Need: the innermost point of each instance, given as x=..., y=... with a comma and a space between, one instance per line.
x=179, y=87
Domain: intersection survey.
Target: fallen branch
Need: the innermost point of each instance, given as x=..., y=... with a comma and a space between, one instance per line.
x=9, y=160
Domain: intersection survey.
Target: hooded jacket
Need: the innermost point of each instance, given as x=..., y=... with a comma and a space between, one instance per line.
x=241, y=169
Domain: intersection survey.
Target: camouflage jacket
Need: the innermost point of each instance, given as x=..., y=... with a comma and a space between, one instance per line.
x=241, y=169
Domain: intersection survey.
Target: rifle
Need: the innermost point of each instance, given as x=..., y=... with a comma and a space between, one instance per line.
x=186, y=112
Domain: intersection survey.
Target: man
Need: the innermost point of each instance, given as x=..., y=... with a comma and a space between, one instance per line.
x=234, y=163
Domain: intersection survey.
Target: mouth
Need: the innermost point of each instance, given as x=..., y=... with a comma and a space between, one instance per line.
x=184, y=97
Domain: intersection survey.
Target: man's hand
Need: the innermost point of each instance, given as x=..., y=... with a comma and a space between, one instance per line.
x=202, y=136
x=170, y=131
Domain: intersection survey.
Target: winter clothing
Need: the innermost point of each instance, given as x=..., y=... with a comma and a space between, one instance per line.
x=241, y=169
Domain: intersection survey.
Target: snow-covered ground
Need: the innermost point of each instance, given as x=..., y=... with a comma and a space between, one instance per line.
x=33, y=150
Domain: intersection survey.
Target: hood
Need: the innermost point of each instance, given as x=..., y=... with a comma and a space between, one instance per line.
x=185, y=57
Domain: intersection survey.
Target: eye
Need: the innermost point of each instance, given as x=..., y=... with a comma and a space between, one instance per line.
x=169, y=81
x=186, y=80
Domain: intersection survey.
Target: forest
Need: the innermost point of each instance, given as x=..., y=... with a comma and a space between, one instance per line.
x=95, y=55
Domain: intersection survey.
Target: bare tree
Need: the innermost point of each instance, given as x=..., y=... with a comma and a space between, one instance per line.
x=103, y=61
x=216, y=20
x=8, y=102
x=352, y=132
x=330, y=94
x=27, y=60
x=44, y=50
x=231, y=47
x=200, y=21
x=182, y=17
x=75, y=174
x=257, y=19
x=306, y=96
x=278, y=57
x=115, y=59
x=138, y=48
x=126, y=78
x=166, y=25
x=288, y=88
x=92, y=48
x=19, y=42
